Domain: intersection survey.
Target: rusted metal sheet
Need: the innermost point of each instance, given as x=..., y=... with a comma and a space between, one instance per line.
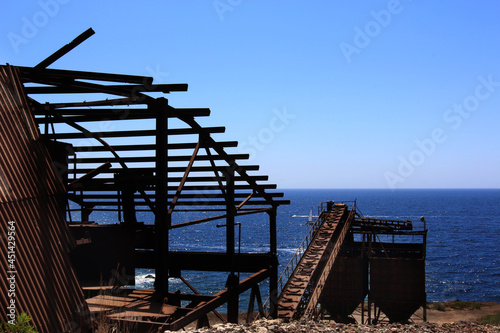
x=397, y=286
x=346, y=287
x=42, y=281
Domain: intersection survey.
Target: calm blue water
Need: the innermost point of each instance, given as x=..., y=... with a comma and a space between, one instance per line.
x=463, y=251
x=463, y=241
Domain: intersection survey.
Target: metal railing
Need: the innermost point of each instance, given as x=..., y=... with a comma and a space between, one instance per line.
x=319, y=285
x=294, y=261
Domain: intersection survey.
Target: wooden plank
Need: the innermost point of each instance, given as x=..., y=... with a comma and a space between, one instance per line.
x=218, y=217
x=220, y=298
x=65, y=49
x=138, y=313
x=200, y=202
x=29, y=73
x=138, y=147
x=99, y=196
x=171, y=158
x=80, y=182
x=183, y=181
x=131, y=133
x=164, y=88
x=178, y=179
x=105, y=185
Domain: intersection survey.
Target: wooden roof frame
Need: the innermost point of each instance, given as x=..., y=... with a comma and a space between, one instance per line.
x=231, y=189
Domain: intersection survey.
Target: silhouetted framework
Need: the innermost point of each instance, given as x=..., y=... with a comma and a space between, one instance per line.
x=173, y=166
x=118, y=148
x=347, y=257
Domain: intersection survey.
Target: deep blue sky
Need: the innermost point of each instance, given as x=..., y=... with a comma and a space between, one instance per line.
x=323, y=94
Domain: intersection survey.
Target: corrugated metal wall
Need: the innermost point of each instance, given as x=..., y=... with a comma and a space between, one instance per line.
x=32, y=196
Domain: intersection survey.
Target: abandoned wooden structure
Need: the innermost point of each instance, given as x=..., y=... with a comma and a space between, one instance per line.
x=74, y=143
x=115, y=148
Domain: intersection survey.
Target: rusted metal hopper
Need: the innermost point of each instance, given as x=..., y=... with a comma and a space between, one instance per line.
x=397, y=286
x=346, y=287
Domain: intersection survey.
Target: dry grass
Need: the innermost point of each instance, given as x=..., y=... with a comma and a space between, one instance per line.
x=455, y=305
x=490, y=319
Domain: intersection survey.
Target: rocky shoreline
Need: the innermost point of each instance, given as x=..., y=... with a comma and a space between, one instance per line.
x=276, y=325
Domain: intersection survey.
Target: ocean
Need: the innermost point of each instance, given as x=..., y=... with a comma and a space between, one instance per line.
x=463, y=251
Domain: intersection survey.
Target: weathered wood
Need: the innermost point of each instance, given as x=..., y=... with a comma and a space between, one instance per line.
x=65, y=49
x=133, y=133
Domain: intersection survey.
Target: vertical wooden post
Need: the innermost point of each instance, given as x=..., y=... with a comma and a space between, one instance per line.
x=162, y=218
x=273, y=278
x=232, y=281
x=230, y=214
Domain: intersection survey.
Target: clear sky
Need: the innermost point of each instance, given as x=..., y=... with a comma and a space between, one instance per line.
x=322, y=94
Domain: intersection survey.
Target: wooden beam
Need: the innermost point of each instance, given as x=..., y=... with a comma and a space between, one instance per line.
x=186, y=145
x=29, y=73
x=65, y=49
x=149, y=158
x=219, y=299
x=134, y=133
x=183, y=181
x=213, y=218
x=78, y=183
x=164, y=88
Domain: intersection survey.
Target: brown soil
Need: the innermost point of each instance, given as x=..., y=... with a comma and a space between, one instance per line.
x=449, y=315
x=452, y=316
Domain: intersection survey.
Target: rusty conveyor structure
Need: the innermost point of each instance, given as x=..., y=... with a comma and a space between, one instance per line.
x=332, y=265
x=300, y=295
x=114, y=146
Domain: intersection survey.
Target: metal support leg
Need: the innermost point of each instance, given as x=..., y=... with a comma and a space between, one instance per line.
x=232, y=281
x=162, y=218
x=273, y=279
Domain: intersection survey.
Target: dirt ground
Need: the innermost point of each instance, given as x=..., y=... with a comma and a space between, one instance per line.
x=449, y=315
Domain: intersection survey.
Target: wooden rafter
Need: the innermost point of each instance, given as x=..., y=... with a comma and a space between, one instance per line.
x=183, y=181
